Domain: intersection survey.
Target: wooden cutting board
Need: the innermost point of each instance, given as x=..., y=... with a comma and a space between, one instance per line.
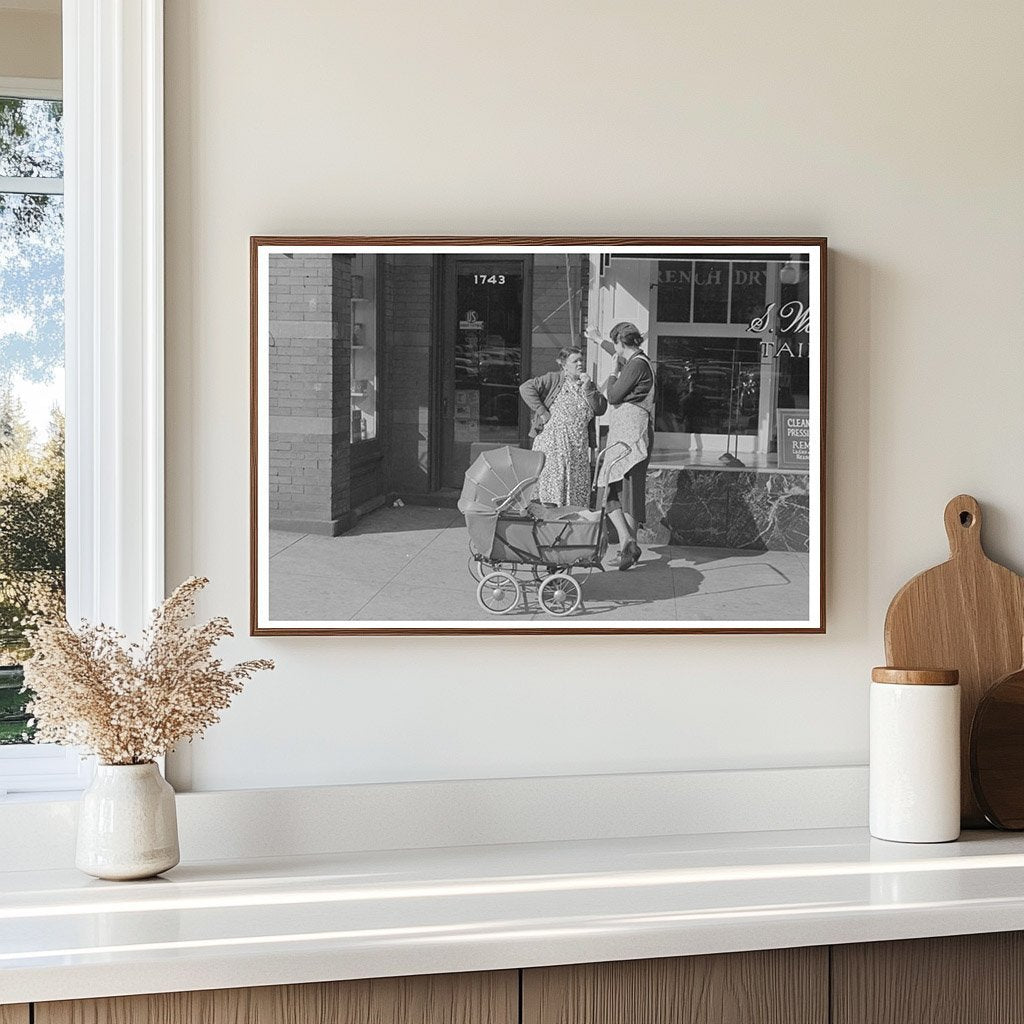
x=967, y=614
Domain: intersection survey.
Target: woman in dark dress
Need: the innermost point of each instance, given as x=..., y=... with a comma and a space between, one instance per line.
x=630, y=394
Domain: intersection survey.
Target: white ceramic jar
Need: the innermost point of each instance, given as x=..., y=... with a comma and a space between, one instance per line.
x=127, y=823
x=915, y=755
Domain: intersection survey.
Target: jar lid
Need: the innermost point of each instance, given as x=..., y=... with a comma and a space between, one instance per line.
x=916, y=676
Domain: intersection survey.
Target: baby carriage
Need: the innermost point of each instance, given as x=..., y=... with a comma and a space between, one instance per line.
x=517, y=543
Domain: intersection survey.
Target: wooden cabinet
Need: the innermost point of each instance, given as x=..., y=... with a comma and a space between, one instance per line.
x=962, y=979
x=491, y=998
x=967, y=979
x=777, y=986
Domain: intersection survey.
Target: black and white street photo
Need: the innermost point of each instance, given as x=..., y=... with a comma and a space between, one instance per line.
x=537, y=437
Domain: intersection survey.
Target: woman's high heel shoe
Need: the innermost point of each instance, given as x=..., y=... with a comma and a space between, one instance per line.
x=629, y=555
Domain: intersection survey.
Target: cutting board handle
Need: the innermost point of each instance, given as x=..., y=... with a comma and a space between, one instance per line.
x=963, y=526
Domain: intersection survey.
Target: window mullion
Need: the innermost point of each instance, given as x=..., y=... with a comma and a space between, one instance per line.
x=32, y=186
x=113, y=75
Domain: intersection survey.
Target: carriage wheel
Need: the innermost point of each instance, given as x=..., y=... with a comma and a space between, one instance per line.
x=499, y=593
x=560, y=594
x=476, y=568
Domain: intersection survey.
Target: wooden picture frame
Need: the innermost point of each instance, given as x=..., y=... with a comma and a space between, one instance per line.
x=376, y=383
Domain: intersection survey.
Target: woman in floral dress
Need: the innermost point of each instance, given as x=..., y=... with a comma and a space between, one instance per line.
x=563, y=405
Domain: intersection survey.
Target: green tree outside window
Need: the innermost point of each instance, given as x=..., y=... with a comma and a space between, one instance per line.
x=32, y=548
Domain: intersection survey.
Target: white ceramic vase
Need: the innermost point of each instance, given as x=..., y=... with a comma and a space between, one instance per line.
x=127, y=824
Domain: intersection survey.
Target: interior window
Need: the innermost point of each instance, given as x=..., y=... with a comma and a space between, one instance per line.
x=31, y=385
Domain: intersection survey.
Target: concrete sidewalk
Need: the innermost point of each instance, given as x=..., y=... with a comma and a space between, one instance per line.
x=411, y=564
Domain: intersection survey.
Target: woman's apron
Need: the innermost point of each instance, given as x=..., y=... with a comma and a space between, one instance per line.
x=628, y=428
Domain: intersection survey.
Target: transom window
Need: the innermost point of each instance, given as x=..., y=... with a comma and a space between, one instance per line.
x=711, y=291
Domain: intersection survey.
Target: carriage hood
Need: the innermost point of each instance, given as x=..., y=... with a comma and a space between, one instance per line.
x=500, y=479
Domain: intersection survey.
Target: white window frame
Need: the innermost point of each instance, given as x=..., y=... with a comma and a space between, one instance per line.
x=114, y=346
x=37, y=767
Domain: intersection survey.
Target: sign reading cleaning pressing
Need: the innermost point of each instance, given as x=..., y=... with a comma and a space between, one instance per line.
x=794, y=438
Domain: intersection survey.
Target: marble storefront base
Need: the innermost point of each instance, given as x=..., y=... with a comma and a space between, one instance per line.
x=723, y=508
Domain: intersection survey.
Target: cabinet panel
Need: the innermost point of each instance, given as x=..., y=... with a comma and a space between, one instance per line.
x=778, y=986
x=14, y=1014
x=961, y=979
x=483, y=998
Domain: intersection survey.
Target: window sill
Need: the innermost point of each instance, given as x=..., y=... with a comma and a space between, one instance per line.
x=42, y=771
x=41, y=797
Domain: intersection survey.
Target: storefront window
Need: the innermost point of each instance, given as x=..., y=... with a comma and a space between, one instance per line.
x=711, y=291
x=675, y=291
x=748, y=291
x=789, y=346
x=708, y=385
x=741, y=361
x=364, y=347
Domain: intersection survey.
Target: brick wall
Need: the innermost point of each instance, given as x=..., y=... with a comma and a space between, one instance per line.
x=310, y=417
x=309, y=328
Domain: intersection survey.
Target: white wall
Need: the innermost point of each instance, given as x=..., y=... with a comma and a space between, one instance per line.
x=894, y=129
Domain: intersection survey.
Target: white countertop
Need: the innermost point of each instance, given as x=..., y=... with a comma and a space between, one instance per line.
x=355, y=915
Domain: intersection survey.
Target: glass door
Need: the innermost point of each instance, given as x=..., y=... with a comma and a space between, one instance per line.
x=483, y=359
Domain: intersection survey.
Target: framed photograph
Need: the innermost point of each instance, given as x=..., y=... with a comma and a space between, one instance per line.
x=537, y=435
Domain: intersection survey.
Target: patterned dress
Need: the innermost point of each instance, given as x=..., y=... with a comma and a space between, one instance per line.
x=565, y=479
x=627, y=448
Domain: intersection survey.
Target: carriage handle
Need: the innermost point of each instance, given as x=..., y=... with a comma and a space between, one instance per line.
x=514, y=494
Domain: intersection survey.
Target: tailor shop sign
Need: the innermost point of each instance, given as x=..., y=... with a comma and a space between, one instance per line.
x=787, y=322
x=794, y=438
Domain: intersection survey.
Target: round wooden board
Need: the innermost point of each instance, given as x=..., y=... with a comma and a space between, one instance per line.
x=997, y=752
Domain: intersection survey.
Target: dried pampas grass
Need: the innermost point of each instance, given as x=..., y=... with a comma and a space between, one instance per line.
x=129, y=703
